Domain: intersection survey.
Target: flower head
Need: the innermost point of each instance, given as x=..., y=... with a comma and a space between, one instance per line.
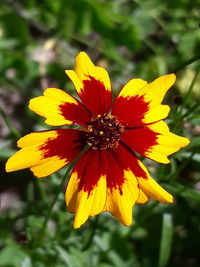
x=108, y=176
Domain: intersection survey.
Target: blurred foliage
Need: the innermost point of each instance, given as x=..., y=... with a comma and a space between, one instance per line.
x=38, y=40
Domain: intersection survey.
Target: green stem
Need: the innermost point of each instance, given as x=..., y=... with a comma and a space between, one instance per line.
x=148, y=212
x=42, y=231
x=94, y=228
x=189, y=186
x=193, y=110
x=182, y=166
x=191, y=85
x=188, y=62
x=30, y=192
x=40, y=188
x=8, y=124
x=40, y=236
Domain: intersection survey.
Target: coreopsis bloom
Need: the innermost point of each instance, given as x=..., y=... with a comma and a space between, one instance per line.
x=108, y=176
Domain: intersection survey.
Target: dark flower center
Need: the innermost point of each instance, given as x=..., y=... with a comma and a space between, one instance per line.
x=104, y=132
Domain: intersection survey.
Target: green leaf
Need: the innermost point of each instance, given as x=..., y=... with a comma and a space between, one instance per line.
x=64, y=255
x=115, y=259
x=12, y=255
x=6, y=153
x=195, y=120
x=184, y=191
x=7, y=43
x=195, y=141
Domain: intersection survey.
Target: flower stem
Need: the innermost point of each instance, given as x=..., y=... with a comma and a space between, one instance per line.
x=39, y=238
x=93, y=231
x=42, y=231
x=184, y=64
x=191, y=85
x=8, y=124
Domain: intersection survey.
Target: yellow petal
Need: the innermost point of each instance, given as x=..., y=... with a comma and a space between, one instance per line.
x=48, y=166
x=132, y=88
x=59, y=108
x=75, y=79
x=155, y=114
x=167, y=143
x=32, y=157
x=36, y=138
x=92, y=84
x=71, y=192
x=142, y=198
x=120, y=202
x=24, y=158
x=139, y=103
x=152, y=189
x=155, y=91
x=154, y=141
x=83, y=204
x=84, y=69
x=45, y=152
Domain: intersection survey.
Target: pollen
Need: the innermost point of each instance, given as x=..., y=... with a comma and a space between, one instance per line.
x=90, y=128
x=104, y=132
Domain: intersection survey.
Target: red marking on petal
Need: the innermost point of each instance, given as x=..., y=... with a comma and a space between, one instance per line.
x=140, y=140
x=89, y=170
x=76, y=113
x=131, y=162
x=130, y=111
x=114, y=170
x=94, y=164
x=67, y=145
x=95, y=96
x=111, y=163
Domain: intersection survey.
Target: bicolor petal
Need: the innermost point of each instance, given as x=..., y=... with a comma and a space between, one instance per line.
x=154, y=141
x=120, y=201
x=86, y=190
x=92, y=84
x=46, y=152
x=101, y=181
x=139, y=103
x=59, y=108
x=148, y=187
x=122, y=185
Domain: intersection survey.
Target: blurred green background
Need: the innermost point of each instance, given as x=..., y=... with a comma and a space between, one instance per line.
x=144, y=39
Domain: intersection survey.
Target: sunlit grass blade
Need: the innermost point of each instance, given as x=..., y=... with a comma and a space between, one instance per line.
x=166, y=240
x=187, y=95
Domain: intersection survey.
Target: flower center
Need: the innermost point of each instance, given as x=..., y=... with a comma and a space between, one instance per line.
x=104, y=132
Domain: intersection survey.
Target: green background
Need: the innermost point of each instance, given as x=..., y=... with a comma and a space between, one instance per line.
x=143, y=39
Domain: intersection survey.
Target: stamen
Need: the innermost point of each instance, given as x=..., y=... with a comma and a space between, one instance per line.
x=90, y=128
x=104, y=132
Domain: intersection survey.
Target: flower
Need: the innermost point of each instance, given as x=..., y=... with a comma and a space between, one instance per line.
x=108, y=176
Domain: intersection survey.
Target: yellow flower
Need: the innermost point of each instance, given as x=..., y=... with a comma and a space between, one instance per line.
x=108, y=176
